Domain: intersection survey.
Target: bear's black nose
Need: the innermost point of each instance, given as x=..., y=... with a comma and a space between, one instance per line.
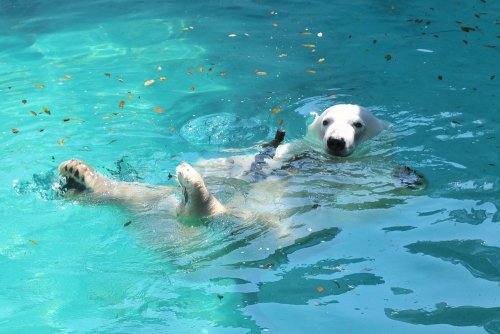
x=335, y=144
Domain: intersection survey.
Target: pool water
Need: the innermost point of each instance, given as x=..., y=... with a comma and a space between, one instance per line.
x=349, y=251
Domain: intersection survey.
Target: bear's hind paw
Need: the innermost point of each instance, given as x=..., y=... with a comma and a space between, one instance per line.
x=74, y=171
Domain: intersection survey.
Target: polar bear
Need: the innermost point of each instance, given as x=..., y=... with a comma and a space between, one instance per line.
x=338, y=130
x=196, y=200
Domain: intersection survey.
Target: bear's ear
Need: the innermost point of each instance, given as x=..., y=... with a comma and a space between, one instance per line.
x=314, y=129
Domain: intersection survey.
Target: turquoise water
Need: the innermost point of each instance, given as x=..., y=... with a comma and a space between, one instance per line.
x=352, y=252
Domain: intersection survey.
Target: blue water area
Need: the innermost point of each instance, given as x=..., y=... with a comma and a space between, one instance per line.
x=135, y=87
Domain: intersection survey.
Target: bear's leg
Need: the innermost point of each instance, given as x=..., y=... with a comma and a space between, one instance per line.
x=196, y=199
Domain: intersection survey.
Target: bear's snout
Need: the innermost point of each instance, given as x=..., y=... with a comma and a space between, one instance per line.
x=335, y=145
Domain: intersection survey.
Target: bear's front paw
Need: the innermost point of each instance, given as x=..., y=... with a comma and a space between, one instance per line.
x=77, y=174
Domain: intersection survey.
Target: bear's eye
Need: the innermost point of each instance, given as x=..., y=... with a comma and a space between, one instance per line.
x=325, y=122
x=357, y=125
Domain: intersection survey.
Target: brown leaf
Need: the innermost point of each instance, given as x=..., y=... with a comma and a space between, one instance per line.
x=320, y=289
x=149, y=82
x=33, y=242
x=33, y=113
x=121, y=104
x=46, y=110
x=39, y=85
x=60, y=142
x=276, y=110
x=67, y=77
x=159, y=109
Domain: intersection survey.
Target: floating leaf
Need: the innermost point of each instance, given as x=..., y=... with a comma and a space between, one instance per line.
x=127, y=223
x=33, y=242
x=120, y=79
x=276, y=110
x=232, y=35
x=306, y=33
x=149, y=82
x=261, y=73
x=320, y=289
x=66, y=119
x=282, y=55
x=163, y=78
x=33, y=113
x=275, y=25
x=171, y=129
x=280, y=121
x=24, y=101
x=311, y=71
x=121, y=104
x=107, y=74
x=321, y=60
x=187, y=28
x=200, y=69
x=46, y=110
x=159, y=109
x=223, y=74
x=388, y=57
x=309, y=45
x=14, y=131
x=67, y=77
x=60, y=142
x=467, y=29
x=39, y=85
x=193, y=88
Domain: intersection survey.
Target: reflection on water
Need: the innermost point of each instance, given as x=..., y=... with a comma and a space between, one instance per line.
x=481, y=260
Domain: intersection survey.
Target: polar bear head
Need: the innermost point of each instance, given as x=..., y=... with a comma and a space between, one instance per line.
x=342, y=127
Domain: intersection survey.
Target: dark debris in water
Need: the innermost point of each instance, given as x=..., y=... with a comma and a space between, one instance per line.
x=409, y=177
x=124, y=171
